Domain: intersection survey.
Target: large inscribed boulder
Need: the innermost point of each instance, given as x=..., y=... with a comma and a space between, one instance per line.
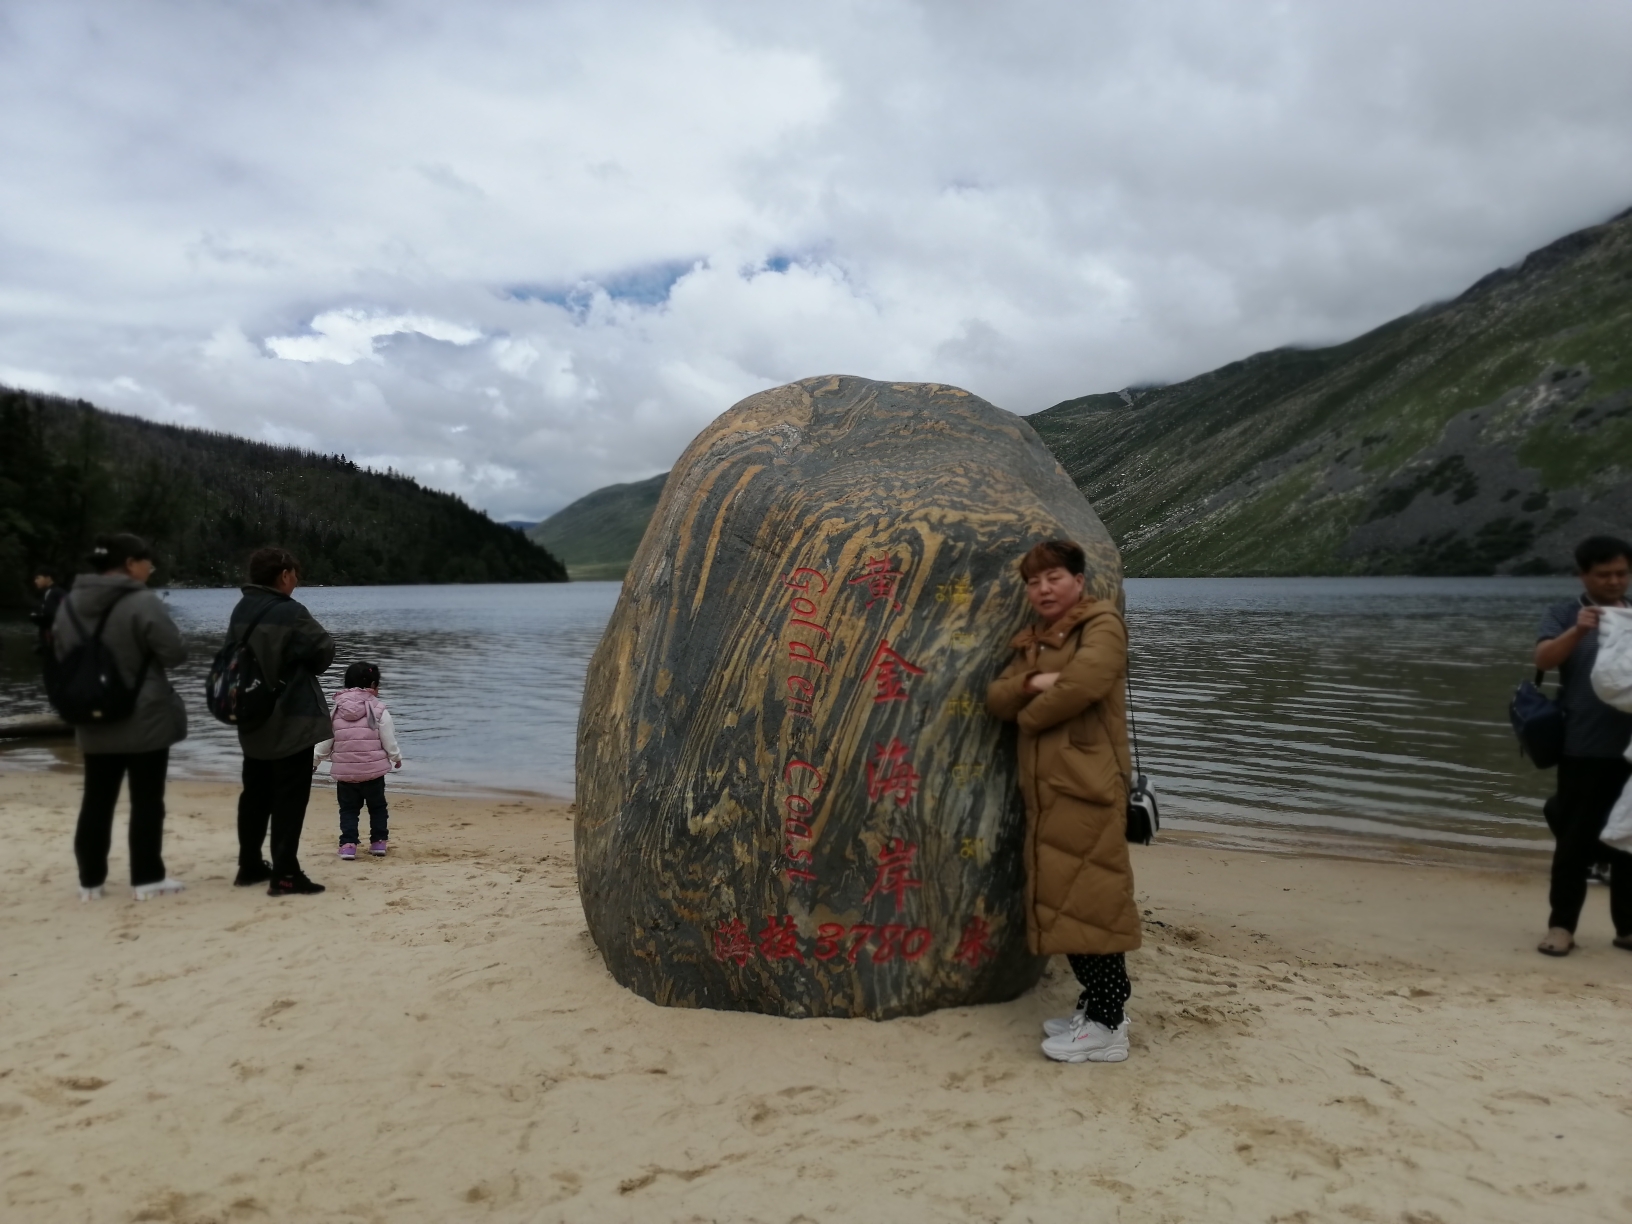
x=790, y=796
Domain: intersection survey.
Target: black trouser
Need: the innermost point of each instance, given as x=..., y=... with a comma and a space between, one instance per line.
x=275, y=793
x=104, y=773
x=1105, y=985
x=1587, y=789
x=352, y=796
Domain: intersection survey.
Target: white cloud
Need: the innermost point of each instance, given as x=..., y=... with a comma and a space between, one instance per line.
x=553, y=241
x=345, y=336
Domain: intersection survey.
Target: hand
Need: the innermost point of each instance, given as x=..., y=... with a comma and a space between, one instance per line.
x=1041, y=682
x=1588, y=617
x=396, y=764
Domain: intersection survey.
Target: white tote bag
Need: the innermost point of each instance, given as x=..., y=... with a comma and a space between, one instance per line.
x=1612, y=673
x=1617, y=832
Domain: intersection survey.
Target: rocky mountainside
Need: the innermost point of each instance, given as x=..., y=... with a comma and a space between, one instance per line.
x=1481, y=435
x=597, y=535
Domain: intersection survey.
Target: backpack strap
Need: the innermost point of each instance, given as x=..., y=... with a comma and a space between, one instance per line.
x=243, y=639
x=79, y=628
x=254, y=624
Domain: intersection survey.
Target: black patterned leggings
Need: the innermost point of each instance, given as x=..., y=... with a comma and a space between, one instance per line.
x=1105, y=985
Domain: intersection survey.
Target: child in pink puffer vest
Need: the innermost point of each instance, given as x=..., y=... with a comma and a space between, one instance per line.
x=363, y=750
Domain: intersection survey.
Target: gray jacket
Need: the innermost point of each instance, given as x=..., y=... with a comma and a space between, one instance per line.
x=138, y=627
x=293, y=650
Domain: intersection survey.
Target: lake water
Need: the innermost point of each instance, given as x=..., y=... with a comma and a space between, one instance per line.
x=1352, y=709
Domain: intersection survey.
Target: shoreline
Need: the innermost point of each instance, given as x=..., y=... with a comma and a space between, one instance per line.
x=435, y=1039
x=1447, y=848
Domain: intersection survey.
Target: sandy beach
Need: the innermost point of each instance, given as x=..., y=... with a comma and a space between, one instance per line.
x=435, y=1039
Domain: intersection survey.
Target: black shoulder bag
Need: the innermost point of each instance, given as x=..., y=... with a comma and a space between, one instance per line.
x=1538, y=722
x=1144, y=819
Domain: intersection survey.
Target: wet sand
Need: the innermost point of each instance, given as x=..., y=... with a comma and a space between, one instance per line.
x=436, y=1040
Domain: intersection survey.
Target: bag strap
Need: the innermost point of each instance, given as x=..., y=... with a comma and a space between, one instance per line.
x=254, y=624
x=1133, y=724
x=79, y=628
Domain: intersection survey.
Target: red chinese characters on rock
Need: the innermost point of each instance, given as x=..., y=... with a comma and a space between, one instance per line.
x=888, y=672
x=879, y=578
x=731, y=941
x=797, y=808
x=891, y=773
x=780, y=940
x=894, y=875
x=975, y=944
x=807, y=638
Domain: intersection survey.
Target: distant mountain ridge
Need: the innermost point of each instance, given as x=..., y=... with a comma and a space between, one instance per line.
x=1481, y=435
x=596, y=536
x=69, y=470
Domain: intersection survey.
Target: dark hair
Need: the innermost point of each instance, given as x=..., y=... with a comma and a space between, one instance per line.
x=266, y=565
x=1052, y=553
x=1595, y=550
x=362, y=675
x=111, y=552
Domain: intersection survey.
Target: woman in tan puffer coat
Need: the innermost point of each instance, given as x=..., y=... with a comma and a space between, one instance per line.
x=1065, y=688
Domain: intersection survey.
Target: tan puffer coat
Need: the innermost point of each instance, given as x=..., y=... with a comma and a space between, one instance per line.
x=1074, y=773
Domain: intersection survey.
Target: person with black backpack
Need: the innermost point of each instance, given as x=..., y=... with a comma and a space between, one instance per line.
x=287, y=650
x=112, y=640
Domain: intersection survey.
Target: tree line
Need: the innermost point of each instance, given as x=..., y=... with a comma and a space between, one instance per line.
x=69, y=470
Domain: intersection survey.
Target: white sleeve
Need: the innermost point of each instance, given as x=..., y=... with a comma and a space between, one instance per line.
x=388, y=737
x=324, y=750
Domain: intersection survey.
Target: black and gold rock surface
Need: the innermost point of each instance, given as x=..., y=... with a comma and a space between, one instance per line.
x=790, y=797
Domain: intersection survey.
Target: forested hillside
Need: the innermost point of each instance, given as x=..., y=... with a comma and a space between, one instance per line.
x=206, y=500
x=596, y=536
x=1481, y=435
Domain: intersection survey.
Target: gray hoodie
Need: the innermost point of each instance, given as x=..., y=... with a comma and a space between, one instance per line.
x=139, y=626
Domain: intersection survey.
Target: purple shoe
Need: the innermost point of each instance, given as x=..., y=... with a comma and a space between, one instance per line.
x=348, y=851
x=377, y=848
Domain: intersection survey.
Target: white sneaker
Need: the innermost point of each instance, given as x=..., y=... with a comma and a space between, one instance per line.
x=1089, y=1041
x=159, y=888
x=1061, y=1024
x=90, y=894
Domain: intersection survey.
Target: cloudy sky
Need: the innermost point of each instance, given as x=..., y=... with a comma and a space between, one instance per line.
x=525, y=250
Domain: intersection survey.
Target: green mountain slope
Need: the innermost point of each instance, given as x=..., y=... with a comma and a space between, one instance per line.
x=597, y=535
x=1481, y=435
x=206, y=500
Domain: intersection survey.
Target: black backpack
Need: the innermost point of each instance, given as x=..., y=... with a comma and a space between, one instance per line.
x=236, y=690
x=85, y=686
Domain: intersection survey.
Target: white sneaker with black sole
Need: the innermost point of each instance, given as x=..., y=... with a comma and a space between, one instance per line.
x=158, y=888
x=1089, y=1041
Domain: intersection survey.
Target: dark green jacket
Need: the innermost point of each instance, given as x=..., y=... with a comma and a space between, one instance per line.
x=293, y=651
x=139, y=627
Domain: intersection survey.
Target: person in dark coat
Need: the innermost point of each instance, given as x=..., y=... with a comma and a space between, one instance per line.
x=293, y=650
x=1594, y=768
x=45, y=616
x=144, y=642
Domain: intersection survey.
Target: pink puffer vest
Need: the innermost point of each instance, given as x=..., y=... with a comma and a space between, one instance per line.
x=358, y=754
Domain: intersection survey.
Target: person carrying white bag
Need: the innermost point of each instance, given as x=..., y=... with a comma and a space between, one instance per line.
x=1612, y=681
x=1593, y=770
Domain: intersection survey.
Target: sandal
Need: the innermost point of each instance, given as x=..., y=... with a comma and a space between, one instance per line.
x=1559, y=942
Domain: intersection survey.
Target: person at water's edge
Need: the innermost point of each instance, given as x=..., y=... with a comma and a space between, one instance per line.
x=138, y=628
x=1593, y=769
x=293, y=650
x=45, y=616
x=1064, y=687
